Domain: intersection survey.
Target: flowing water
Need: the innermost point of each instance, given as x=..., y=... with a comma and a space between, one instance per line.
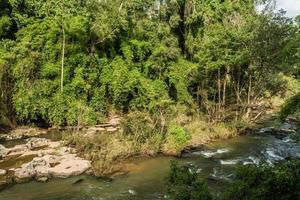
x=146, y=180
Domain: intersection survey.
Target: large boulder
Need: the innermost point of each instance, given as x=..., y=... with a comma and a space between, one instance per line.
x=42, y=168
x=24, y=174
x=33, y=143
x=70, y=165
x=37, y=168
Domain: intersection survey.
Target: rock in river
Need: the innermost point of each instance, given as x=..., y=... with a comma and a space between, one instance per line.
x=2, y=172
x=69, y=165
x=48, y=166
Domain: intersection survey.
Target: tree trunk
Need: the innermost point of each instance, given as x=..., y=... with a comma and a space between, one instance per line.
x=249, y=97
x=62, y=50
x=198, y=96
x=219, y=94
x=78, y=118
x=225, y=87
x=238, y=98
x=181, y=29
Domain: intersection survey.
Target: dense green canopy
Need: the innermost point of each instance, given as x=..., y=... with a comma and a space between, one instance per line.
x=74, y=61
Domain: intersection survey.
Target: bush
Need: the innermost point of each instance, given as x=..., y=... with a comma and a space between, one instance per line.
x=145, y=131
x=296, y=136
x=139, y=126
x=264, y=182
x=176, y=139
x=290, y=107
x=184, y=183
x=104, y=150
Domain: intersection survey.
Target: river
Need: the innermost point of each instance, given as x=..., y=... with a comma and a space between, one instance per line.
x=146, y=180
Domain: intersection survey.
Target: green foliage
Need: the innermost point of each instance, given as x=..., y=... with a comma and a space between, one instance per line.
x=185, y=183
x=103, y=149
x=296, y=136
x=140, y=126
x=290, y=107
x=216, y=57
x=266, y=182
x=251, y=182
x=176, y=138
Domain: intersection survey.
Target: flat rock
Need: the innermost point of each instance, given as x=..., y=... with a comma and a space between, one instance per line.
x=42, y=168
x=111, y=129
x=70, y=166
x=30, y=148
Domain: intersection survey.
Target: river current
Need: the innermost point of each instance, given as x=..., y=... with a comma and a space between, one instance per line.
x=146, y=179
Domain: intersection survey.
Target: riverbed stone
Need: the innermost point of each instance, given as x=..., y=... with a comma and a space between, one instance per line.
x=70, y=165
x=65, y=150
x=48, y=166
x=33, y=143
x=266, y=130
x=34, y=146
x=24, y=174
x=23, y=132
x=42, y=179
x=2, y=172
x=3, y=151
x=111, y=129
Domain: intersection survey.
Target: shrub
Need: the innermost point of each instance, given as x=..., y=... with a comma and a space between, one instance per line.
x=264, y=182
x=139, y=126
x=176, y=139
x=183, y=183
x=104, y=150
x=296, y=136
x=290, y=107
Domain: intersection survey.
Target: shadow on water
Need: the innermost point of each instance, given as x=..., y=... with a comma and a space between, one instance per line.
x=53, y=135
x=15, y=161
x=12, y=143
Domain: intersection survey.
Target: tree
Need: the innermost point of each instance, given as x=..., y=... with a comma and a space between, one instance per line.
x=185, y=183
x=221, y=57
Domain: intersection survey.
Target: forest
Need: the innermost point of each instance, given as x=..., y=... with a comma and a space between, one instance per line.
x=177, y=74
x=73, y=62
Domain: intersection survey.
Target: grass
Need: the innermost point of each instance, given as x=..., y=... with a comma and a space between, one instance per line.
x=203, y=132
x=105, y=150
x=146, y=134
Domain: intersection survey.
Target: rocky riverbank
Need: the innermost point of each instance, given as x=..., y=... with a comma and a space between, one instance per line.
x=289, y=126
x=35, y=157
x=39, y=159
